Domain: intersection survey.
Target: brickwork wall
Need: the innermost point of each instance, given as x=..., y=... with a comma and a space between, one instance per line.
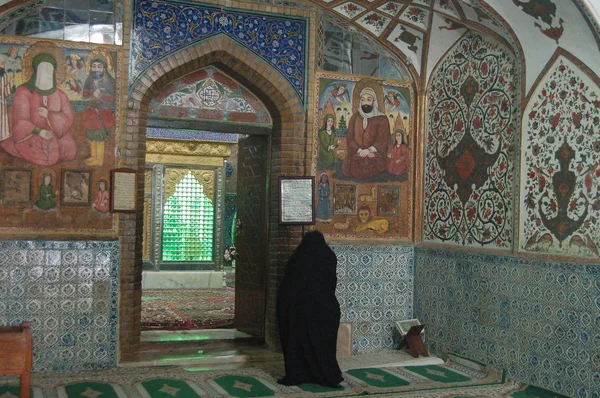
x=290, y=155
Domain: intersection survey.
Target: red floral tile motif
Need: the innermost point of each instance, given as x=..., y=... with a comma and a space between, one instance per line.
x=469, y=170
x=560, y=167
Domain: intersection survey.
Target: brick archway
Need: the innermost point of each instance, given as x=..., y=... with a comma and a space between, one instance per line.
x=290, y=156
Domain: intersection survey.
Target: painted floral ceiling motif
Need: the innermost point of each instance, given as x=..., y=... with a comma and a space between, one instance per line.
x=421, y=31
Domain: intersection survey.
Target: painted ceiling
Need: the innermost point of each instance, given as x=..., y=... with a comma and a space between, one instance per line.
x=420, y=32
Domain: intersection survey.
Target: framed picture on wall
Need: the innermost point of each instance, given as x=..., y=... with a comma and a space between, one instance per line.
x=123, y=183
x=75, y=188
x=16, y=186
x=296, y=200
x=388, y=200
x=345, y=199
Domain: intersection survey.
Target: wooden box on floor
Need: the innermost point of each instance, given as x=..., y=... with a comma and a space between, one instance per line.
x=16, y=354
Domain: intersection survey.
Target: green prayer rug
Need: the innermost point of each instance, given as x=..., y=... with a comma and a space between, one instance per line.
x=453, y=379
x=168, y=388
x=243, y=386
x=377, y=377
x=438, y=373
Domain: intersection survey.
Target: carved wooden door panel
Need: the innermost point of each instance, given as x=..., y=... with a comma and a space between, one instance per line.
x=252, y=234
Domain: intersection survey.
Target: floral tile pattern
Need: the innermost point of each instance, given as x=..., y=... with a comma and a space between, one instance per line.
x=161, y=28
x=375, y=289
x=209, y=94
x=469, y=173
x=538, y=319
x=374, y=22
x=560, y=210
x=68, y=292
x=391, y=8
x=417, y=16
x=349, y=10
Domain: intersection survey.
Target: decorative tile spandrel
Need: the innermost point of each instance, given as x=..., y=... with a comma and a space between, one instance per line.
x=163, y=28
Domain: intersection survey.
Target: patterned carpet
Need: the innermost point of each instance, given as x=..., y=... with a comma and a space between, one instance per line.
x=451, y=380
x=185, y=309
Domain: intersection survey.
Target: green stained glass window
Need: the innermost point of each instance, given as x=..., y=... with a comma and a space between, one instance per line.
x=188, y=223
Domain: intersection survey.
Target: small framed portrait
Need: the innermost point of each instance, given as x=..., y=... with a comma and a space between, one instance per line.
x=76, y=189
x=345, y=199
x=388, y=200
x=16, y=186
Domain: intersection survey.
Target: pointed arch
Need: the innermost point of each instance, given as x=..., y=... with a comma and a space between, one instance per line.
x=289, y=142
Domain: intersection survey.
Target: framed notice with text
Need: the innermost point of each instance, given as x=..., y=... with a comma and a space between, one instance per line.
x=296, y=200
x=123, y=190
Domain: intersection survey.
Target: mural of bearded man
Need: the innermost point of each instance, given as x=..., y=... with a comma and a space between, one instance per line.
x=98, y=117
x=368, y=133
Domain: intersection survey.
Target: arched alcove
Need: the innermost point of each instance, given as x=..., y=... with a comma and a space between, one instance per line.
x=288, y=157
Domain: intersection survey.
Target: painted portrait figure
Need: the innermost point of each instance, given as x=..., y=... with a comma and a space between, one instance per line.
x=102, y=200
x=99, y=89
x=324, y=210
x=368, y=133
x=42, y=115
x=398, y=155
x=75, y=74
x=14, y=68
x=47, y=197
x=327, y=143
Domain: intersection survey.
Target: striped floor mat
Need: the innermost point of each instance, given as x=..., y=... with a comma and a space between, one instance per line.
x=452, y=380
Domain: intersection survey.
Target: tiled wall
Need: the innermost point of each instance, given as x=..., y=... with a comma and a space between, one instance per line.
x=68, y=292
x=540, y=320
x=375, y=289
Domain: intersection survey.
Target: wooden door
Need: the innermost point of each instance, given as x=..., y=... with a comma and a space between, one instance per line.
x=252, y=234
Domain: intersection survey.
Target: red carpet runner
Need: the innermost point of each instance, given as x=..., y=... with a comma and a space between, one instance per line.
x=185, y=309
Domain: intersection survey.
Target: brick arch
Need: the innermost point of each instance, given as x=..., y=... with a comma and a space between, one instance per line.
x=290, y=155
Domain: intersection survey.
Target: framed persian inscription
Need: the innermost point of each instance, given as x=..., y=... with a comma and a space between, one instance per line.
x=296, y=200
x=123, y=190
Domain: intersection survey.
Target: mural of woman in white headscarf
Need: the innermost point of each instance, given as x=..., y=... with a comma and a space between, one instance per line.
x=368, y=132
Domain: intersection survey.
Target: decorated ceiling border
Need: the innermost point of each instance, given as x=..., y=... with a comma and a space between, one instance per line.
x=163, y=28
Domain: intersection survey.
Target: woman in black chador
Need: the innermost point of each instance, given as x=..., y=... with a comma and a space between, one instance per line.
x=309, y=314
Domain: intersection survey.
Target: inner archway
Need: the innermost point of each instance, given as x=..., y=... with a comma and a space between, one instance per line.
x=288, y=133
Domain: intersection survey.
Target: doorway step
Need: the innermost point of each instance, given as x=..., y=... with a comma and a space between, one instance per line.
x=210, y=348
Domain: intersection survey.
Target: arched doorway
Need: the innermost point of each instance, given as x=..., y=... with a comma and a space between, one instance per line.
x=288, y=132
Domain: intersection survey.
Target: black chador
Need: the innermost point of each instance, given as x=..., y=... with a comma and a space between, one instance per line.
x=309, y=314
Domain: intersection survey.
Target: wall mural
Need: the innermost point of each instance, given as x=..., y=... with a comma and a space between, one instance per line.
x=363, y=157
x=560, y=170
x=208, y=94
x=468, y=198
x=57, y=136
